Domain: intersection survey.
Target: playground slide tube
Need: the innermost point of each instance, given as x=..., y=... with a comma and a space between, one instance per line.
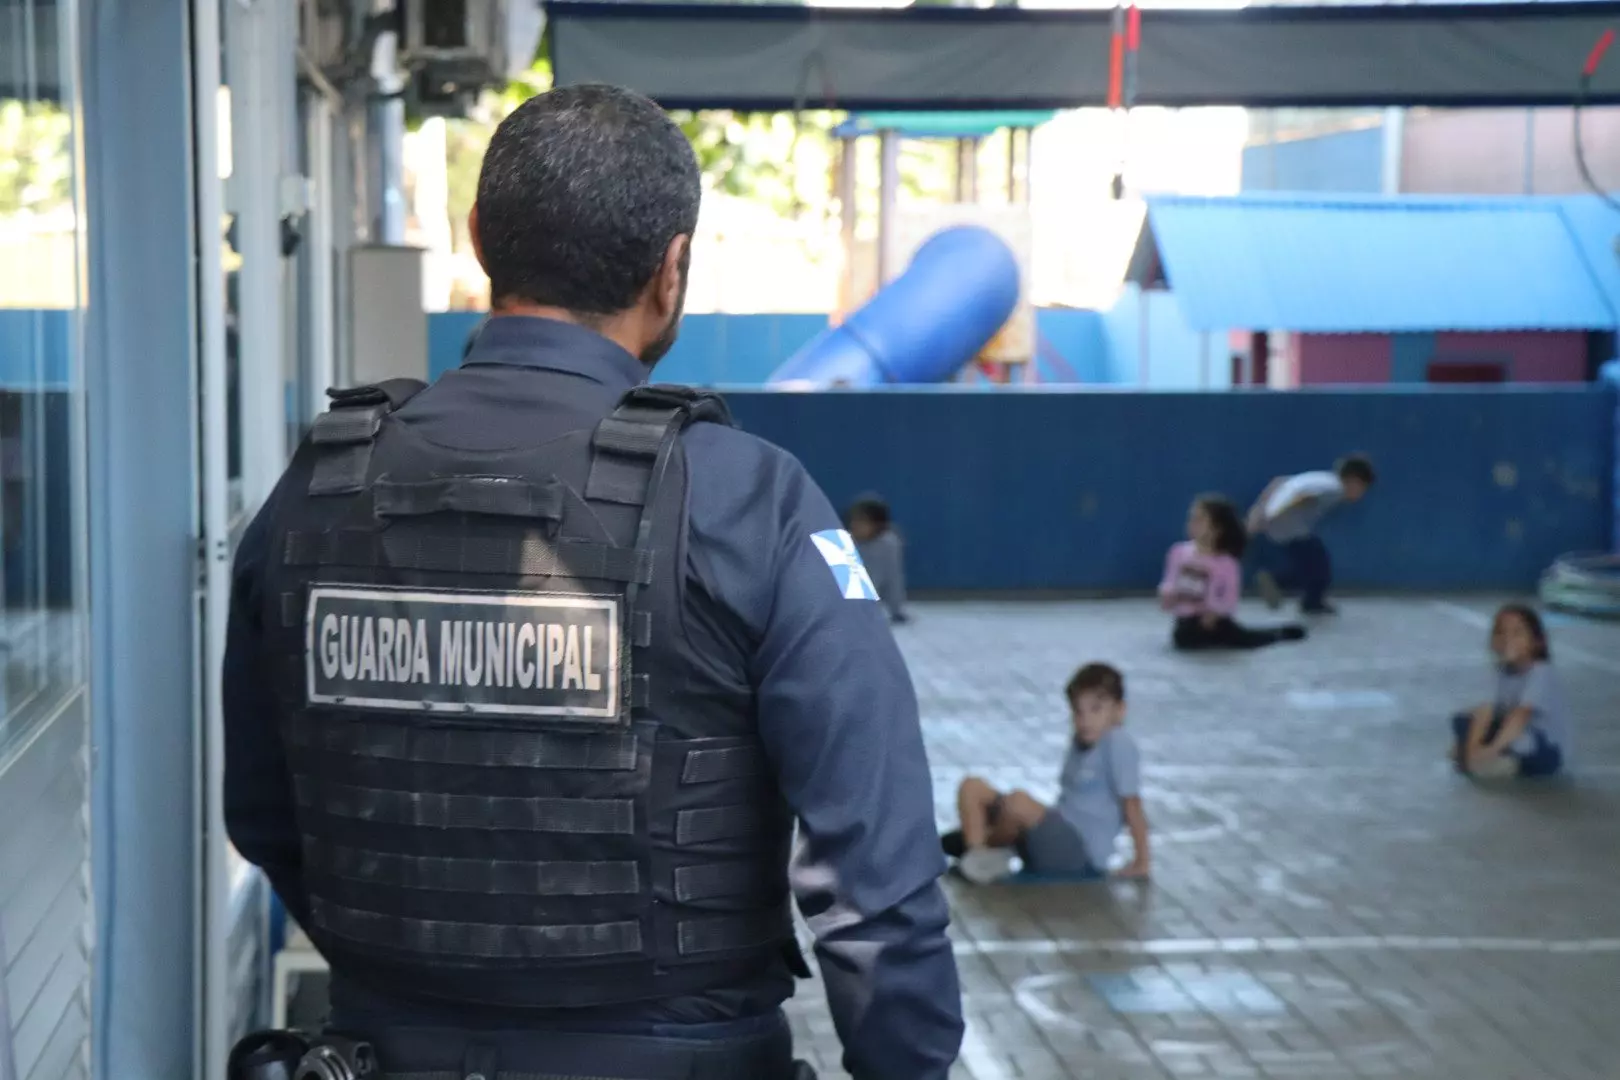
x=958, y=291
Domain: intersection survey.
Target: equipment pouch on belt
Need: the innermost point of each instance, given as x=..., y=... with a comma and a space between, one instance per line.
x=294, y=1055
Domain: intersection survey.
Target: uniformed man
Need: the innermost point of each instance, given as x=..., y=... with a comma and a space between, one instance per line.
x=530, y=673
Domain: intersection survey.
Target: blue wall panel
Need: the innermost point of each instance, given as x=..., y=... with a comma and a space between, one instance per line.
x=1175, y=359
x=34, y=348
x=1085, y=490
x=1409, y=357
x=713, y=350
x=1090, y=347
x=1342, y=161
x=1073, y=346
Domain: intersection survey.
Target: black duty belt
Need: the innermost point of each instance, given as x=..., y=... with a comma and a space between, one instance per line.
x=537, y=1055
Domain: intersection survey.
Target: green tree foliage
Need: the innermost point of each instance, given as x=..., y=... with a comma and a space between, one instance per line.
x=778, y=159
x=36, y=160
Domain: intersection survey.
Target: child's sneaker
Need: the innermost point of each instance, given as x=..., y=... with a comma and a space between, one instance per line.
x=985, y=866
x=1500, y=767
x=1270, y=591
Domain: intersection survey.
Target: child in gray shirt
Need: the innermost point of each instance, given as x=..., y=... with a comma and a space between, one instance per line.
x=1100, y=796
x=1524, y=730
x=881, y=551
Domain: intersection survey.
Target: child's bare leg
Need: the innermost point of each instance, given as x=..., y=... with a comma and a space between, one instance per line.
x=1020, y=812
x=975, y=801
x=1479, y=725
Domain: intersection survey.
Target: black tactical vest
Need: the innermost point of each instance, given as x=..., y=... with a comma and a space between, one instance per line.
x=515, y=786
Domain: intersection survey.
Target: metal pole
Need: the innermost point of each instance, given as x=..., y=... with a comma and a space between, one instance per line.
x=1394, y=150
x=1529, y=151
x=888, y=199
x=972, y=165
x=261, y=71
x=848, y=177
x=1203, y=361
x=323, y=335
x=1271, y=149
x=1142, y=372
x=212, y=970
x=1012, y=165
x=387, y=124
x=961, y=170
x=1029, y=164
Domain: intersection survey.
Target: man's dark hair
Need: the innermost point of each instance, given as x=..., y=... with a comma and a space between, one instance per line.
x=581, y=192
x=1103, y=678
x=1356, y=467
x=873, y=508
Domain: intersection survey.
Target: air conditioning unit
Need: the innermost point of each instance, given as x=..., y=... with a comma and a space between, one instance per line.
x=487, y=40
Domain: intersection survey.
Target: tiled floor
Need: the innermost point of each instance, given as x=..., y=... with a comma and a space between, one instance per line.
x=1329, y=901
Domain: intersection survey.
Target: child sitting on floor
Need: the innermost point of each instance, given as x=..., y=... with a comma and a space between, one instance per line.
x=1100, y=793
x=1202, y=580
x=1524, y=730
x=881, y=551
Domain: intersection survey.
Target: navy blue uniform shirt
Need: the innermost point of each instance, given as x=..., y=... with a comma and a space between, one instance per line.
x=837, y=715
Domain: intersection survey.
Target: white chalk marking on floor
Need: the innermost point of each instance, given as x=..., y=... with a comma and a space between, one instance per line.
x=1257, y=946
x=1326, y=700
x=1483, y=622
x=1027, y=991
x=1225, y=818
x=1027, y=995
x=1274, y=882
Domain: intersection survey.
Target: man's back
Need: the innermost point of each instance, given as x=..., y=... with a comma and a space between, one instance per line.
x=836, y=716
x=497, y=872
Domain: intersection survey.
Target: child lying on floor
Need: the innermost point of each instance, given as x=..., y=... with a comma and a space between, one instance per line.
x=1100, y=794
x=1524, y=730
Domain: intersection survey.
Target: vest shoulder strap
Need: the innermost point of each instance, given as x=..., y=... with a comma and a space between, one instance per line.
x=627, y=444
x=343, y=435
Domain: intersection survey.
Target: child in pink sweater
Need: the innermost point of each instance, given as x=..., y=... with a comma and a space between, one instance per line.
x=1203, y=580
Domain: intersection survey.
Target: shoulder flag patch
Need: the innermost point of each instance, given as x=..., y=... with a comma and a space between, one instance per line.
x=838, y=548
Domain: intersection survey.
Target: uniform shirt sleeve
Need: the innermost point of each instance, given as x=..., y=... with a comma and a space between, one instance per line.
x=1172, y=567
x=1125, y=766
x=1538, y=694
x=839, y=722
x=258, y=784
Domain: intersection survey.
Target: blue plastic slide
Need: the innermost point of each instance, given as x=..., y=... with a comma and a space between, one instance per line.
x=924, y=325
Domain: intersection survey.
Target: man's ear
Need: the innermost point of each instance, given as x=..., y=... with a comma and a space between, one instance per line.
x=671, y=273
x=477, y=241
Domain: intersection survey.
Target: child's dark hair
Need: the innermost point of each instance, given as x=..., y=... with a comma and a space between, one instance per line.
x=1231, y=538
x=1356, y=467
x=873, y=509
x=1532, y=622
x=1103, y=678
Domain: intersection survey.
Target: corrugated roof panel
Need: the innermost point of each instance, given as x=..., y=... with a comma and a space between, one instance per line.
x=1386, y=265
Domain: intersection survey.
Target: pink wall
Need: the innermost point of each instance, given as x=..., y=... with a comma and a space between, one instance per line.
x=1532, y=355
x=1343, y=358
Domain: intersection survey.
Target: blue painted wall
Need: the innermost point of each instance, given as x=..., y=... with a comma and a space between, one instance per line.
x=1086, y=489
x=712, y=350
x=1409, y=357
x=1342, y=161
x=34, y=348
x=1175, y=353
x=1091, y=347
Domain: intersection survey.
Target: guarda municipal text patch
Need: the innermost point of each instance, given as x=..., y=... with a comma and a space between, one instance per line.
x=445, y=651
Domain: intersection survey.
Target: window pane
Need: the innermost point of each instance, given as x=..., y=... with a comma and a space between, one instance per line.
x=42, y=641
